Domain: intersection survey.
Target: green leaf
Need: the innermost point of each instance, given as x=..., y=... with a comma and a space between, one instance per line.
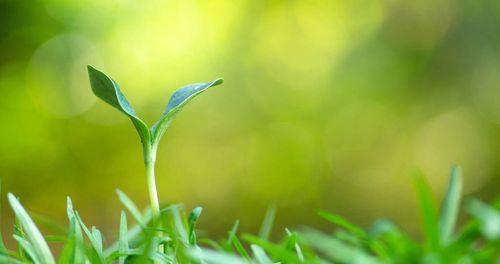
x=109, y=91
x=40, y=247
x=232, y=233
x=260, y=255
x=292, y=243
x=428, y=211
x=335, y=249
x=267, y=224
x=180, y=229
x=123, y=239
x=177, y=101
x=489, y=218
x=131, y=207
x=450, y=206
x=240, y=249
x=232, y=240
x=135, y=235
x=74, y=248
x=193, y=218
x=280, y=252
x=214, y=257
x=95, y=241
x=28, y=248
x=343, y=223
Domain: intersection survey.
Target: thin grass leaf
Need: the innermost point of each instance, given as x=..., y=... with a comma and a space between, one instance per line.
x=279, y=252
x=177, y=101
x=427, y=211
x=74, y=248
x=18, y=230
x=231, y=234
x=215, y=257
x=267, y=224
x=292, y=243
x=489, y=218
x=131, y=207
x=95, y=241
x=335, y=249
x=260, y=255
x=40, y=247
x=240, y=249
x=193, y=218
x=135, y=234
x=179, y=225
x=123, y=240
x=28, y=248
x=450, y=206
x=98, y=238
x=158, y=257
x=211, y=243
x=343, y=223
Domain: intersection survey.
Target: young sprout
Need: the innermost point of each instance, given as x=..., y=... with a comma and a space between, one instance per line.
x=109, y=91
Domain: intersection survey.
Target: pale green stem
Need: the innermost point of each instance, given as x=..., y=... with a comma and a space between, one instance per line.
x=153, y=194
x=149, y=160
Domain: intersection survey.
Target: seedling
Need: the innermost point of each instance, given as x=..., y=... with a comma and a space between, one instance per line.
x=109, y=91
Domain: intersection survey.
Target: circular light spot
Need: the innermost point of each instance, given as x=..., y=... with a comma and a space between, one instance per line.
x=57, y=77
x=453, y=138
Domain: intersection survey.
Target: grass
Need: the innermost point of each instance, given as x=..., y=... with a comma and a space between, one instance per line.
x=476, y=241
x=166, y=235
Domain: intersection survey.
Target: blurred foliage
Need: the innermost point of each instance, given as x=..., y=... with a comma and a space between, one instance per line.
x=326, y=105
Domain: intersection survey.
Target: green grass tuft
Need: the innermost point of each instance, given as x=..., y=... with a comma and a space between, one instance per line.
x=477, y=241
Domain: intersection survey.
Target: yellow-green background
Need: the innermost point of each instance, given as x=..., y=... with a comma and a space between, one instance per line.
x=326, y=105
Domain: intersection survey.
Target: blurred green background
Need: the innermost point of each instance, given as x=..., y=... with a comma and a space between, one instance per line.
x=326, y=105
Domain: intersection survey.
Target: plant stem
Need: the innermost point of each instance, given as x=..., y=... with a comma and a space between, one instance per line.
x=153, y=194
x=149, y=161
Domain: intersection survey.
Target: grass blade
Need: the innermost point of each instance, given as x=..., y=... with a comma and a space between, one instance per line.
x=95, y=241
x=292, y=243
x=215, y=257
x=428, y=211
x=260, y=255
x=134, y=234
x=40, y=246
x=179, y=225
x=28, y=248
x=335, y=249
x=123, y=240
x=240, y=249
x=489, y=219
x=131, y=207
x=231, y=234
x=267, y=224
x=193, y=218
x=74, y=249
x=451, y=206
x=343, y=223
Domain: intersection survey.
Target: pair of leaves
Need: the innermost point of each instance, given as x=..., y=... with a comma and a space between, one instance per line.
x=109, y=91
